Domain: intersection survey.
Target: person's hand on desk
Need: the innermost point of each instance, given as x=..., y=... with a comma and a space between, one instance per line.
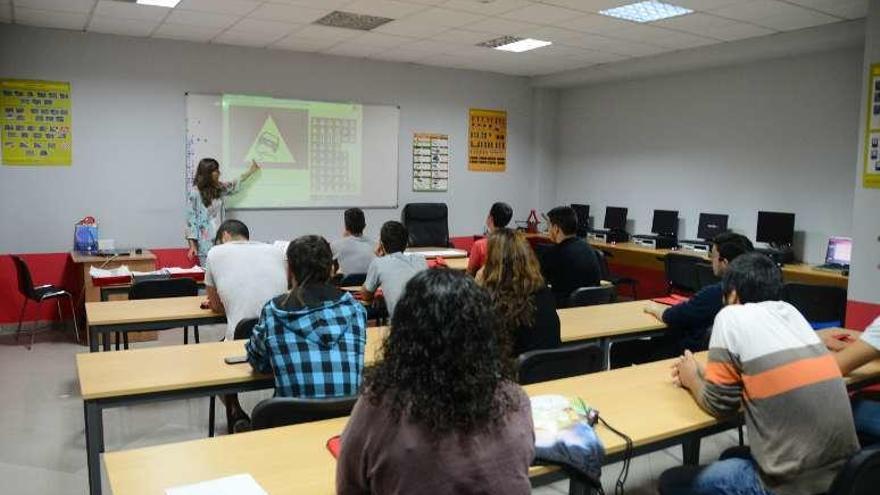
x=687, y=372
x=656, y=309
x=836, y=340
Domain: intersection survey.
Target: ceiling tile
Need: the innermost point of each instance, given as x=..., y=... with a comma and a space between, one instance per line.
x=424, y=2
x=678, y=40
x=635, y=49
x=463, y=36
x=753, y=10
x=500, y=26
x=541, y=14
x=186, y=32
x=799, y=19
x=432, y=46
x=120, y=10
x=318, y=4
x=401, y=55
x=126, y=27
x=405, y=27
x=590, y=5
x=847, y=9
x=490, y=8
x=349, y=49
x=325, y=33
x=383, y=8
x=704, y=5
x=594, y=42
x=292, y=42
x=380, y=40
x=595, y=24
x=697, y=23
x=288, y=13
x=43, y=18
x=740, y=31
x=444, y=17
x=245, y=38
x=79, y=6
x=204, y=19
x=234, y=7
x=270, y=29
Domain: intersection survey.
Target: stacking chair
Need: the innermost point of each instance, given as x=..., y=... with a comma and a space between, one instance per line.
x=860, y=475
x=243, y=331
x=681, y=273
x=563, y=362
x=38, y=294
x=616, y=280
x=822, y=305
x=591, y=296
x=154, y=289
x=283, y=411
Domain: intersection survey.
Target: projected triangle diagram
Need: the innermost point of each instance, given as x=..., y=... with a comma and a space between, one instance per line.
x=269, y=145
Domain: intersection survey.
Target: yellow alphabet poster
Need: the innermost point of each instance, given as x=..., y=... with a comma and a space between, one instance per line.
x=487, y=144
x=35, y=122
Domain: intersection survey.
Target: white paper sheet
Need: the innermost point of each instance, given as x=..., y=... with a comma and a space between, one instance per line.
x=239, y=484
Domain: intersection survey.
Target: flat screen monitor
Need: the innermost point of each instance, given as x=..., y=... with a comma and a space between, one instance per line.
x=665, y=222
x=583, y=216
x=839, y=251
x=711, y=224
x=775, y=227
x=615, y=218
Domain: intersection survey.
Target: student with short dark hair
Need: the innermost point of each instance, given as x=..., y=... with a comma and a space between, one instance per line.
x=392, y=268
x=498, y=218
x=354, y=252
x=312, y=337
x=571, y=263
x=690, y=323
x=766, y=359
x=440, y=414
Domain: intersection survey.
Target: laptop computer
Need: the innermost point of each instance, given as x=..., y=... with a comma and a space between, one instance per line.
x=838, y=254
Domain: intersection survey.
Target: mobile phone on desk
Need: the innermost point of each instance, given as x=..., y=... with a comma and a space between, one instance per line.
x=235, y=359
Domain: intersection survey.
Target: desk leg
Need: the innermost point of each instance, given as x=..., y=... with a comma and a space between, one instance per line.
x=93, y=340
x=105, y=338
x=94, y=418
x=104, y=295
x=690, y=451
x=605, y=345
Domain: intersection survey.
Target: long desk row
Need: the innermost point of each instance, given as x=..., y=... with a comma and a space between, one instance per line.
x=293, y=459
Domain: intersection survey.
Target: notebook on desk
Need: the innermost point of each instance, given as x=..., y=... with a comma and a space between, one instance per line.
x=671, y=300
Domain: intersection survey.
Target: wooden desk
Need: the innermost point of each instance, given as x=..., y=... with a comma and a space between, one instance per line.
x=449, y=253
x=106, y=317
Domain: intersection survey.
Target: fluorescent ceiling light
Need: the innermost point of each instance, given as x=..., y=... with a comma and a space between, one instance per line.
x=159, y=3
x=514, y=44
x=648, y=11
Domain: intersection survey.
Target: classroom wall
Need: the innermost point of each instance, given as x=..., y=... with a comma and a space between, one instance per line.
x=775, y=135
x=129, y=128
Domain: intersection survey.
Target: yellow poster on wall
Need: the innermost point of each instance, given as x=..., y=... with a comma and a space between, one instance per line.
x=487, y=143
x=872, y=131
x=35, y=122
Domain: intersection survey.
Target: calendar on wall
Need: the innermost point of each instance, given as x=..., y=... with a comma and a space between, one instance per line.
x=430, y=162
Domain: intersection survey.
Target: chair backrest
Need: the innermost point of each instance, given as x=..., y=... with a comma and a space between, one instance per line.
x=818, y=303
x=427, y=224
x=591, y=296
x=563, y=362
x=681, y=272
x=244, y=329
x=25, y=283
x=352, y=279
x=860, y=475
x=604, y=271
x=705, y=275
x=282, y=411
x=172, y=287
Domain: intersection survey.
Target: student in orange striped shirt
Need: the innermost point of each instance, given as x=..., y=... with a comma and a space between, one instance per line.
x=765, y=358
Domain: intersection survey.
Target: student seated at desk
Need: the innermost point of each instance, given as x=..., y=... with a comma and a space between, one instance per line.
x=690, y=323
x=524, y=304
x=499, y=216
x=765, y=358
x=313, y=337
x=354, y=252
x=440, y=414
x=571, y=263
x=393, y=268
x=850, y=354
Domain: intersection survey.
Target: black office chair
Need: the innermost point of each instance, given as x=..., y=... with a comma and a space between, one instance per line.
x=681, y=273
x=860, y=475
x=591, y=296
x=552, y=364
x=352, y=279
x=616, y=280
x=243, y=331
x=283, y=411
x=428, y=224
x=38, y=294
x=705, y=275
x=821, y=305
x=154, y=289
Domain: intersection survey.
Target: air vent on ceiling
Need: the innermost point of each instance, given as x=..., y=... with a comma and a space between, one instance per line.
x=504, y=40
x=349, y=20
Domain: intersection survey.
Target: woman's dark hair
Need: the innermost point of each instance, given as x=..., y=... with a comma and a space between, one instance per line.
x=730, y=245
x=394, y=237
x=309, y=259
x=565, y=218
x=204, y=180
x=501, y=214
x=442, y=363
x=354, y=221
x=754, y=277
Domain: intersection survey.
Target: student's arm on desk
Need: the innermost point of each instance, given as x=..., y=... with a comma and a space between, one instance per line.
x=371, y=283
x=214, y=301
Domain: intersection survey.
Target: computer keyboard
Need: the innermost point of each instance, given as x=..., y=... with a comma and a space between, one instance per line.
x=835, y=267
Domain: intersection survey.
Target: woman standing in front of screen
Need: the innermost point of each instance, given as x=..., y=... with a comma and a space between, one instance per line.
x=205, y=210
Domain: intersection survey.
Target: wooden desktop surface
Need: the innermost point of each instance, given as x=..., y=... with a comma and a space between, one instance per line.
x=452, y=253
x=146, y=310
x=606, y=320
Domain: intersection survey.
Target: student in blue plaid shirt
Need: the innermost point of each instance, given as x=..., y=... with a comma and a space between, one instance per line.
x=311, y=338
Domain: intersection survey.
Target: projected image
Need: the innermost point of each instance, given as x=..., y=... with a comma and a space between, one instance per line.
x=310, y=151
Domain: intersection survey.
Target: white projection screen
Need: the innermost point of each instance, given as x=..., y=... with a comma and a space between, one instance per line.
x=312, y=154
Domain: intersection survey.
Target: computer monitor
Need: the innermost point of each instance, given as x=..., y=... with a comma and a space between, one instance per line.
x=615, y=218
x=711, y=224
x=665, y=223
x=775, y=228
x=583, y=215
x=839, y=251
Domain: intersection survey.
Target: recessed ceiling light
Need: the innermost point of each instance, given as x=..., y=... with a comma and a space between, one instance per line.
x=514, y=44
x=648, y=11
x=159, y=3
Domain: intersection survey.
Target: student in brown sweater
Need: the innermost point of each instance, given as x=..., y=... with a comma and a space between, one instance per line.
x=439, y=414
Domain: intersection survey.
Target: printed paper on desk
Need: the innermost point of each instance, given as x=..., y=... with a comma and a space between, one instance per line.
x=239, y=484
x=121, y=271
